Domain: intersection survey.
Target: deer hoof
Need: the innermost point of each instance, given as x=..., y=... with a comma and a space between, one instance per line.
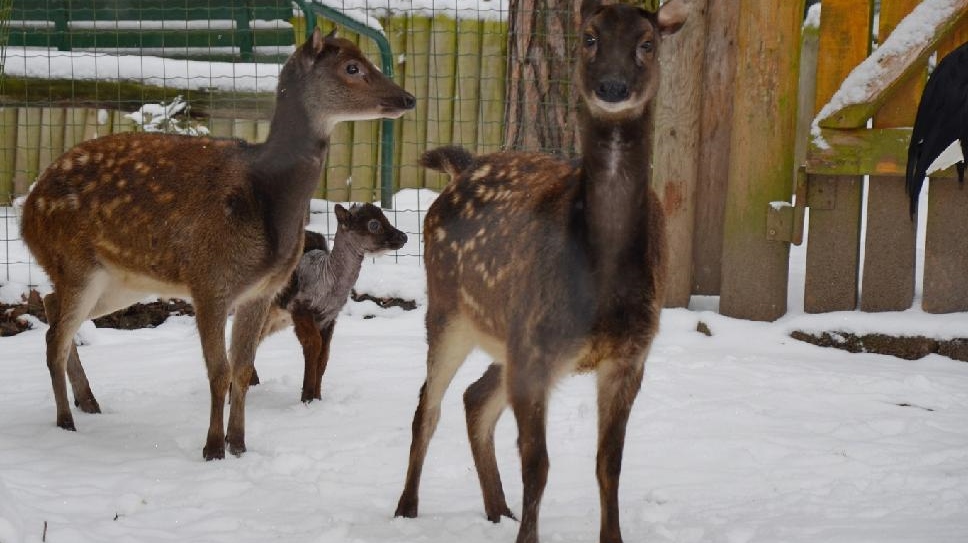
x=213, y=452
x=254, y=380
x=406, y=509
x=505, y=512
x=236, y=448
x=88, y=405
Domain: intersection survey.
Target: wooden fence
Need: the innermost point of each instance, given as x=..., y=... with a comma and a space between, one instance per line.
x=727, y=166
x=455, y=68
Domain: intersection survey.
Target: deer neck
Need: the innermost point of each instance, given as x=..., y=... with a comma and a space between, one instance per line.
x=287, y=171
x=343, y=265
x=616, y=168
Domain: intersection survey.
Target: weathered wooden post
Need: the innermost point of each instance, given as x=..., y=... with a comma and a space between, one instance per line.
x=719, y=71
x=762, y=142
x=676, y=146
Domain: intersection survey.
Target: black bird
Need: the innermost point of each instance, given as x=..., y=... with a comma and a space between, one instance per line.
x=942, y=118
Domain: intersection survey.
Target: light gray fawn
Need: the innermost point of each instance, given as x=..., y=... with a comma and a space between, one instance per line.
x=551, y=267
x=218, y=220
x=322, y=281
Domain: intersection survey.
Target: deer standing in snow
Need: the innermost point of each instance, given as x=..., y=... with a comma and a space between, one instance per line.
x=551, y=267
x=322, y=281
x=218, y=220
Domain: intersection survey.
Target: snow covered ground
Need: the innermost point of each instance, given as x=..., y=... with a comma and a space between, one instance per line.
x=744, y=436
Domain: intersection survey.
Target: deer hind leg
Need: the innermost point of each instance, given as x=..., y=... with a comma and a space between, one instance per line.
x=322, y=360
x=70, y=305
x=484, y=401
x=83, y=397
x=304, y=325
x=618, y=384
x=449, y=342
x=249, y=321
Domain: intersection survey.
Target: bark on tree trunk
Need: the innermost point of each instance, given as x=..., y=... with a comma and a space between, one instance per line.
x=540, y=110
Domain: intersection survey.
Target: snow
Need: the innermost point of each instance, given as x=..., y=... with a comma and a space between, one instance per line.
x=745, y=436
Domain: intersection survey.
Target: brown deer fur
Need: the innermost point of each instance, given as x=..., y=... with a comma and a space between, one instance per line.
x=551, y=267
x=218, y=220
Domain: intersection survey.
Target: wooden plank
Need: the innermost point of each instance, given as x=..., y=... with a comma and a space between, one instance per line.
x=74, y=119
x=27, y=157
x=51, y=136
x=468, y=83
x=440, y=110
x=395, y=29
x=719, y=70
x=365, y=152
x=889, y=255
x=859, y=151
x=417, y=79
x=762, y=145
x=8, y=153
x=338, y=165
x=897, y=64
x=833, y=240
x=676, y=147
x=945, y=286
x=492, y=93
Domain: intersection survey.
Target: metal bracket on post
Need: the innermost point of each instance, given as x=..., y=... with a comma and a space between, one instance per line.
x=784, y=221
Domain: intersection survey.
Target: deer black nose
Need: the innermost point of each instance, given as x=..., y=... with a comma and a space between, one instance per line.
x=409, y=102
x=612, y=91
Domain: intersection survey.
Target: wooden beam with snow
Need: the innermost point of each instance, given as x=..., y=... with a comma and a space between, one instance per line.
x=872, y=82
x=881, y=151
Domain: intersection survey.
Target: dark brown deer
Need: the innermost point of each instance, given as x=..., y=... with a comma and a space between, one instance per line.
x=218, y=220
x=322, y=281
x=551, y=267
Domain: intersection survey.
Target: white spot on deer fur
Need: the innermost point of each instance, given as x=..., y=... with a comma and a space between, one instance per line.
x=66, y=164
x=440, y=234
x=483, y=172
x=82, y=158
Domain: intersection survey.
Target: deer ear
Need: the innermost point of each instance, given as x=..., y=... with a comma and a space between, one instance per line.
x=315, y=42
x=588, y=7
x=672, y=15
x=342, y=216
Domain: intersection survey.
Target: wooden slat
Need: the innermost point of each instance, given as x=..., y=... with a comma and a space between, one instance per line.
x=414, y=139
x=28, y=149
x=468, y=81
x=395, y=29
x=719, y=70
x=676, y=147
x=440, y=111
x=365, y=151
x=493, y=73
x=833, y=241
x=8, y=153
x=946, y=247
x=889, y=253
x=878, y=151
x=895, y=71
x=755, y=270
x=338, y=163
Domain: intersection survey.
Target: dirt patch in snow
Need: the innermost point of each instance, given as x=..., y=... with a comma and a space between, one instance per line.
x=906, y=347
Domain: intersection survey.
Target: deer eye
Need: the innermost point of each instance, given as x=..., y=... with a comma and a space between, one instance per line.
x=352, y=69
x=590, y=40
x=374, y=226
x=648, y=46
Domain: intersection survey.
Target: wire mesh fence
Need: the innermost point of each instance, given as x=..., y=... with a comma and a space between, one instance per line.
x=87, y=68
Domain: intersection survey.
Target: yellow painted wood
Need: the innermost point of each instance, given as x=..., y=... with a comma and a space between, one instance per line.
x=8, y=151
x=493, y=88
x=27, y=157
x=417, y=81
x=441, y=90
x=468, y=83
x=898, y=71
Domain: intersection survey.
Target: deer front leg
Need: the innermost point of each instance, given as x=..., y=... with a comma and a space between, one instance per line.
x=246, y=334
x=529, y=401
x=448, y=346
x=210, y=317
x=618, y=385
x=484, y=401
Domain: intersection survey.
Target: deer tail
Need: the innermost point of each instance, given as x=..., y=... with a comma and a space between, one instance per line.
x=451, y=160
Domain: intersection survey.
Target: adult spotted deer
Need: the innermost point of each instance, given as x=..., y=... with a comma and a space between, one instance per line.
x=218, y=220
x=551, y=267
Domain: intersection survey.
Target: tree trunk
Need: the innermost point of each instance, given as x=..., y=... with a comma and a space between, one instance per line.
x=540, y=111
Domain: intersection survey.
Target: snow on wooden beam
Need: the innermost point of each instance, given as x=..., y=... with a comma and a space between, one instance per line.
x=877, y=152
x=870, y=84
